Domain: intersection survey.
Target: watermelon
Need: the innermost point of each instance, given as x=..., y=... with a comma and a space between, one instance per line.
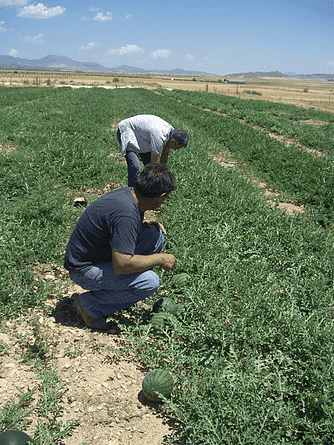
x=156, y=382
x=160, y=319
x=15, y=438
x=177, y=309
x=180, y=279
x=163, y=304
x=167, y=305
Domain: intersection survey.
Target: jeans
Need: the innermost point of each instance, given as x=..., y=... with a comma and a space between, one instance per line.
x=110, y=292
x=133, y=162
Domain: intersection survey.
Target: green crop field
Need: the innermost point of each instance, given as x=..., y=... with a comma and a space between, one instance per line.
x=252, y=351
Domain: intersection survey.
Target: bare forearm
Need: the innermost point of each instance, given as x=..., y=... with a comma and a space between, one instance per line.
x=164, y=157
x=140, y=263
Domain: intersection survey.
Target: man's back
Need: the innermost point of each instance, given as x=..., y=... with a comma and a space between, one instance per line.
x=111, y=222
x=144, y=132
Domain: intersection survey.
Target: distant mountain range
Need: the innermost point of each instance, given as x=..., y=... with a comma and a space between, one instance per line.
x=61, y=63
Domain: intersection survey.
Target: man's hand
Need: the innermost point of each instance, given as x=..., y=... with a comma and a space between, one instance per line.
x=147, y=223
x=168, y=261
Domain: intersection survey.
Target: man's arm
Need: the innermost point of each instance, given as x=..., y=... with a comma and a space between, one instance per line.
x=155, y=159
x=164, y=155
x=125, y=264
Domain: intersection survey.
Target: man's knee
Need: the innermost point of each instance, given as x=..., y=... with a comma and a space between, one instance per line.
x=152, y=282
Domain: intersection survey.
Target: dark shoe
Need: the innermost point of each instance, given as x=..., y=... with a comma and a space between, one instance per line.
x=91, y=322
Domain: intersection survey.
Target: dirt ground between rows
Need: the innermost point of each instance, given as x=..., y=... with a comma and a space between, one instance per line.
x=103, y=387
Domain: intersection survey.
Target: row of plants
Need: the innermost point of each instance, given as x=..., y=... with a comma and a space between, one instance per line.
x=277, y=117
x=14, y=96
x=298, y=175
x=251, y=353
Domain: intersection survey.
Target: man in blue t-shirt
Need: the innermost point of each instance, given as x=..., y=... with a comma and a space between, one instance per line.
x=112, y=253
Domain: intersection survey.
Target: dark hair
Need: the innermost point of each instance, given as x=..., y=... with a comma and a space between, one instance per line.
x=179, y=137
x=154, y=180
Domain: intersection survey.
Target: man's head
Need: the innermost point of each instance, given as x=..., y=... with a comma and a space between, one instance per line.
x=177, y=139
x=155, y=180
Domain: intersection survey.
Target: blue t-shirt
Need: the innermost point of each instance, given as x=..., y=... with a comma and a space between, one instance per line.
x=113, y=221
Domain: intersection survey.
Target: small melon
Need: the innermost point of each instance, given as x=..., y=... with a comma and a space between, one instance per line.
x=156, y=382
x=180, y=279
x=163, y=304
x=168, y=305
x=177, y=309
x=15, y=438
x=160, y=319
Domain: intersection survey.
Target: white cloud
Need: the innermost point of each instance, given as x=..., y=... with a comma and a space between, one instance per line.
x=36, y=40
x=331, y=63
x=13, y=52
x=13, y=2
x=83, y=18
x=3, y=29
x=103, y=18
x=126, y=50
x=40, y=11
x=189, y=57
x=128, y=16
x=164, y=53
x=88, y=46
x=94, y=9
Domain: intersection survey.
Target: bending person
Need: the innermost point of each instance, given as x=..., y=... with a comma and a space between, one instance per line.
x=149, y=137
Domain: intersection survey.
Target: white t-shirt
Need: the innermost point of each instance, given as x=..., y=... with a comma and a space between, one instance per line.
x=145, y=133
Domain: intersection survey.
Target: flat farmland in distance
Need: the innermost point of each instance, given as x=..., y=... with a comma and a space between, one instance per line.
x=319, y=94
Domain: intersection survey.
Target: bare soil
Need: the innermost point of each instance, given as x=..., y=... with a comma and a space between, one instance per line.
x=103, y=379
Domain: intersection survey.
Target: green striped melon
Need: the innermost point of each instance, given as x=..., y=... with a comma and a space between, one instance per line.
x=15, y=438
x=181, y=279
x=177, y=309
x=162, y=304
x=156, y=382
x=168, y=305
x=160, y=319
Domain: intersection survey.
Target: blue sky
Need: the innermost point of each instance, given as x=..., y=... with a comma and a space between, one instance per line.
x=219, y=37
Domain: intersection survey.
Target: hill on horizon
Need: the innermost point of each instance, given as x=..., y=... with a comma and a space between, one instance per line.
x=62, y=63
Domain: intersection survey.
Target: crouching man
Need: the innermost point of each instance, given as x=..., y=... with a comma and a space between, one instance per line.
x=112, y=253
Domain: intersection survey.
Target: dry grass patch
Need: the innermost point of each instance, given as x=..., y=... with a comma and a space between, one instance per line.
x=119, y=158
x=316, y=123
x=113, y=126
x=5, y=149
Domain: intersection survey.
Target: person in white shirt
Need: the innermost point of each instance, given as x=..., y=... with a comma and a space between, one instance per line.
x=149, y=137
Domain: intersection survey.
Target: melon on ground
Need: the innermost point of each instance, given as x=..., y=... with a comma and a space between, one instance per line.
x=156, y=382
x=12, y=437
x=180, y=279
x=160, y=319
x=163, y=304
x=168, y=305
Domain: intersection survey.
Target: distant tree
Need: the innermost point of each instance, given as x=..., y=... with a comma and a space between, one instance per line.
x=116, y=79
